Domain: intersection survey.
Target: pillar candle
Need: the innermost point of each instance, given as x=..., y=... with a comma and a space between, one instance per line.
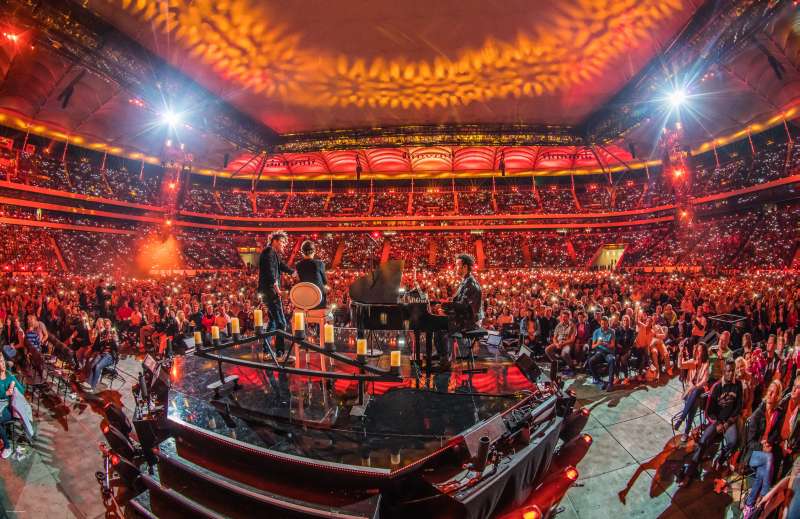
x=298, y=321
x=258, y=317
x=215, y=333
x=361, y=347
x=198, y=339
x=395, y=359
x=328, y=333
x=235, y=325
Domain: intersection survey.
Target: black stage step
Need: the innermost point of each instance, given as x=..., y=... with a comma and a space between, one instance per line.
x=139, y=507
x=236, y=494
x=168, y=503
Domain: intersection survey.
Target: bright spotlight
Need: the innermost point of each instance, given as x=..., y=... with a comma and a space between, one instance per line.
x=677, y=98
x=171, y=118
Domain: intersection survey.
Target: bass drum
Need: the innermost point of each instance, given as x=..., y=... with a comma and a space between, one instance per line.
x=305, y=295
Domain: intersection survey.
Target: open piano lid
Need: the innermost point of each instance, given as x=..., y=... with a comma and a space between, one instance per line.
x=379, y=286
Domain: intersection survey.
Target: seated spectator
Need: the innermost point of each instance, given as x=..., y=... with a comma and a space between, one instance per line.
x=603, y=348
x=762, y=443
x=722, y=412
x=106, y=350
x=696, y=384
x=7, y=384
x=562, y=341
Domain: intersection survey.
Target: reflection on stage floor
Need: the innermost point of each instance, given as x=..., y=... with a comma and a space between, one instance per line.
x=398, y=424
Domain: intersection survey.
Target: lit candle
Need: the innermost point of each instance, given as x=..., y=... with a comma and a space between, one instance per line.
x=361, y=347
x=298, y=321
x=215, y=333
x=328, y=331
x=394, y=358
x=235, y=325
x=258, y=317
x=198, y=339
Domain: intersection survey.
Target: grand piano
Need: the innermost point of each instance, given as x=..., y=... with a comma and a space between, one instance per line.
x=377, y=302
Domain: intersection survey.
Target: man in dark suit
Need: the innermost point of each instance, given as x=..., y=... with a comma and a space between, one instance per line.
x=464, y=312
x=311, y=270
x=270, y=267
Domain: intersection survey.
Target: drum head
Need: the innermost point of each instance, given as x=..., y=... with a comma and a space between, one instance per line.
x=305, y=295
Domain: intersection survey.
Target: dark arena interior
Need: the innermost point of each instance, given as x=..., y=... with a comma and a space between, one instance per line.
x=510, y=259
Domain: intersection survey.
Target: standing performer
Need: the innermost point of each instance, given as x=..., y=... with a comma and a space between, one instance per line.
x=270, y=267
x=464, y=312
x=312, y=270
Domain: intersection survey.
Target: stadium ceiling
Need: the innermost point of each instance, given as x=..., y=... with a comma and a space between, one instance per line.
x=248, y=76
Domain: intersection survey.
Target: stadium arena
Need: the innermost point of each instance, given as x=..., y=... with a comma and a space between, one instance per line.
x=368, y=259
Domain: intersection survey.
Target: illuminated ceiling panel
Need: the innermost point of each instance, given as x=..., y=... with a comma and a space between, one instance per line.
x=401, y=162
x=351, y=64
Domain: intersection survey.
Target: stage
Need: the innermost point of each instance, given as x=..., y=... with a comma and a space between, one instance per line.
x=382, y=445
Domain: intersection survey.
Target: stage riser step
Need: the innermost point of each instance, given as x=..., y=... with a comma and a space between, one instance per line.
x=224, y=489
x=139, y=507
x=166, y=503
x=223, y=500
x=206, y=451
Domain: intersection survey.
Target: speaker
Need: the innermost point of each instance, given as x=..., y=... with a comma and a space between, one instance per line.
x=527, y=365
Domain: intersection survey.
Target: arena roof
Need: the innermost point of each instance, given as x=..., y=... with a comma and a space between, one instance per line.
x=357, y=65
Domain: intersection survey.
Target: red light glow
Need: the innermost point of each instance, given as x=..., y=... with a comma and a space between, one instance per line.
x=572, y=473
x=531, y=512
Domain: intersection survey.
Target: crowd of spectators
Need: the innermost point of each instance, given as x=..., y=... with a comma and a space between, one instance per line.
x=84, y=176
x=390, y=203
x=348, y=204
x=306, y=204
x=269, y=204
x=235, y=203
x=433, y=203
x=644, y=327
x=476, y=202
x=557, y=199
x=516, y=201
x=627, y=196
x=594, y=197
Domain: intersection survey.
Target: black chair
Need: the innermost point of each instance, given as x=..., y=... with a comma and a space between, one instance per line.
x=35, y=378
x=111, y=372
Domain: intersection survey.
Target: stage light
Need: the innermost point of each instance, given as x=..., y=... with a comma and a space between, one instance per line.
x=572, y=473
x=678, y=172
x=170, y=118
x=677, y=98
x=532, y=512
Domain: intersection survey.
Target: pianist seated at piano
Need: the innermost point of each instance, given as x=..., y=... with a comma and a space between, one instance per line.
x=464, y=313
x=377, y=302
